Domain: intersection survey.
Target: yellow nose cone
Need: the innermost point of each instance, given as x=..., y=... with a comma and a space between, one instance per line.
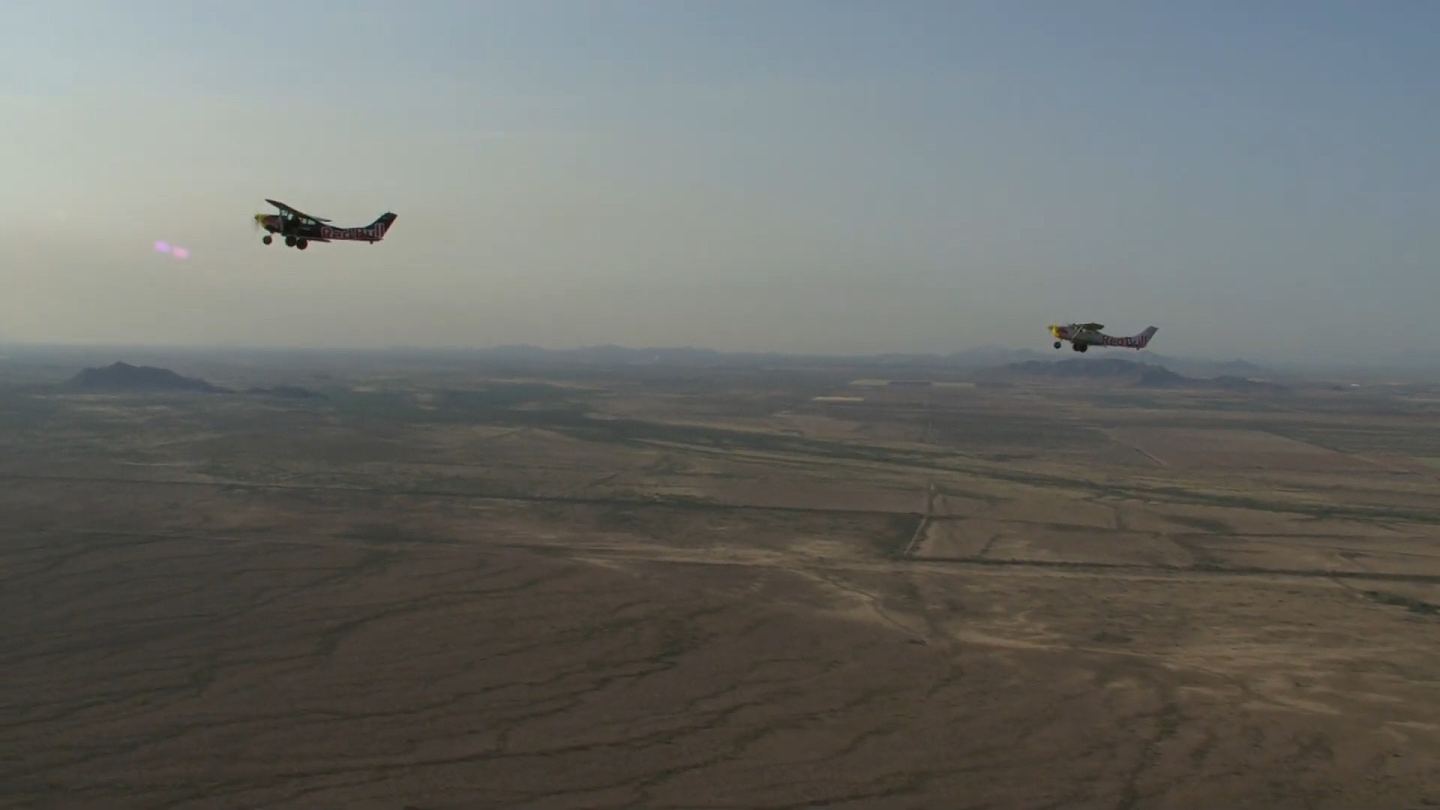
x=1055, y=329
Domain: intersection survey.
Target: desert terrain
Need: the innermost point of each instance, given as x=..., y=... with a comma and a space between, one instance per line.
x=461, y=584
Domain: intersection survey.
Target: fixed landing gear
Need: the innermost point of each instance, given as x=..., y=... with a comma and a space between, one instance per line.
x=1057, y=344
x=291, y=240
x=1080, y=347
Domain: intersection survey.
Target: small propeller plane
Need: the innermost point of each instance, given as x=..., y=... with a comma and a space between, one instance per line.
x=1084, y=335
x=300, y=229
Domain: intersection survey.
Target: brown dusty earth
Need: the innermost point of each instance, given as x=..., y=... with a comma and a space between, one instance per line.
x=466, y=593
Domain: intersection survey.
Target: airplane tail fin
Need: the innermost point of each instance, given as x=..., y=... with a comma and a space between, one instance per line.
x=381, y=225
x=1143, y=339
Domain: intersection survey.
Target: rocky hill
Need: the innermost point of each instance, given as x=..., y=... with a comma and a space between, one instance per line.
x=1115, y=372
x=123, y=377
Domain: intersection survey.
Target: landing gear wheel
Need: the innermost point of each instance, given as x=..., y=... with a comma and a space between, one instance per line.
x=302, y=244
x=267, y=239
x=1081, y=347
x=289, y=241
x=1057, y=344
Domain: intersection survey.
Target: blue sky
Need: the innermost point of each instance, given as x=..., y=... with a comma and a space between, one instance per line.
x=1258, y=179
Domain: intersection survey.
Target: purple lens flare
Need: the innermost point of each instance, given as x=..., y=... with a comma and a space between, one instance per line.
x=182, y=253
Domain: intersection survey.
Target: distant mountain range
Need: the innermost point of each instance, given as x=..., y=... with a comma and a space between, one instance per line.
x=971, y=359
x=1116, y=372
x=1212, y=368
x=1412, y=365
x=996, y=356
x=125, y=378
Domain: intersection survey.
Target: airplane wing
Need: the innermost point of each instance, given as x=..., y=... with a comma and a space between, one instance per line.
x=1094, y=327
x=294, y=212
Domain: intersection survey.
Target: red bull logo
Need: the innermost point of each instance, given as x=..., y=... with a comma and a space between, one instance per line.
x=1137, y=342
x=372, y=232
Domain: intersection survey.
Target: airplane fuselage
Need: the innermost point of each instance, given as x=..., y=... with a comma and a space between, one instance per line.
x=370, y=234
x=1082, y=336
x=279, y=225
x=299, y=232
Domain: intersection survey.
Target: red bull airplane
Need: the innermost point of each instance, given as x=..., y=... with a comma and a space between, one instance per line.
x=1084, y=335
x=300, y=229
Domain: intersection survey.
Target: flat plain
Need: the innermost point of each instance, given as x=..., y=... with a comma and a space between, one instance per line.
x=465, y=586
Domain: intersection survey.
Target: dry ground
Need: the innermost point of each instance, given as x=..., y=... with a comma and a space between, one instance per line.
x=670, y=593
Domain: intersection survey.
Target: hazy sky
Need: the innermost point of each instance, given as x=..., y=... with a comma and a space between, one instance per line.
x=1256, y=178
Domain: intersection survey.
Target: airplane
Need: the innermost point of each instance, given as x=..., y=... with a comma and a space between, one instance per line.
x=300, y=229
x=1084, y=335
